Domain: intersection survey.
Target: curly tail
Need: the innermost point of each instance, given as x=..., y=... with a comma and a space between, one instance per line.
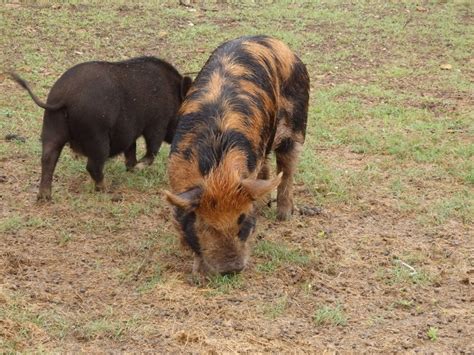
x=37, y=101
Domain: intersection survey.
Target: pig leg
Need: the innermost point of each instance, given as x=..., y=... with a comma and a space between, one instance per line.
x=95, y=168
x=287, y=154
x=49, y=158
x=264, y=174
x=153, y=144
x=54, y=136
x=97, y=150
x=131, y=157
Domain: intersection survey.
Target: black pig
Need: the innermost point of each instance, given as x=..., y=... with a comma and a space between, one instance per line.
x=101, y=108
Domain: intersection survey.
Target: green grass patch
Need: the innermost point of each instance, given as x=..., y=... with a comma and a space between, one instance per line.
x=277, y=255
x=107, y=327
x=432, y=333
x=400, y=274
x=327, y=315
x=152, y=280
x=276, y=308
x=224, y=284
x=458, y=206
x=16, y=222
x=29, y=323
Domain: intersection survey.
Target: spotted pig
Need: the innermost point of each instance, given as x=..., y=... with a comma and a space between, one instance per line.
x=249, y=99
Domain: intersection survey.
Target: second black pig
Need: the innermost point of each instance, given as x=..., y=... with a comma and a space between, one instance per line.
x=101, y=108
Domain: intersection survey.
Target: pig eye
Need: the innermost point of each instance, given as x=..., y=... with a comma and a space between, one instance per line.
x=246, y=227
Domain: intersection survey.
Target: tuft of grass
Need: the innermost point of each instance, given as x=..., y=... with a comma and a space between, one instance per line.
x=432, y=333
x=327, y=315
x=402, y=275
x=11, y=224
x=107, y=327
x=278, y=255
x=152, y=281
x=404, y=304
x=459, y=206
x=64, y=237
x=223, y=284
x=15, y=222
x=276, y=308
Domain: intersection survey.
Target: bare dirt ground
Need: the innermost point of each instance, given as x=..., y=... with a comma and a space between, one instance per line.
x=386, y=265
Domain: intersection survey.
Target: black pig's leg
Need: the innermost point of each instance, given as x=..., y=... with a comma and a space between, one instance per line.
x=96, y=161
x=131, y=157
x=153, y=143
x=95, y=168
x=49, y=158
x=54, y=136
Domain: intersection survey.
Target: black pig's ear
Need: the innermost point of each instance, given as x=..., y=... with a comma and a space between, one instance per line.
x=185, y=85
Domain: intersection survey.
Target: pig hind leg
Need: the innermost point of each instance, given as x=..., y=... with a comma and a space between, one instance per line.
x=95, y=162
x=293, y=118
x=131, y=156
x=287, y=154
x=153, y=143
x=95, y=168
x=264, y=174
x=54, y=136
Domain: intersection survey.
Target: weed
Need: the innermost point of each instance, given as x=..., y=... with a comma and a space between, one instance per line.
x=276, y=308
x=432, y=333
x=16, y=222
x=327, y=315
x=64, y=238
x=406, y=304
x=400, y=274
x=11, y=224
x=152, y=281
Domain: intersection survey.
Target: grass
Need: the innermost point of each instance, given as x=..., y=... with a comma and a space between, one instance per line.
x=15, y=223
x=153, y=280
x=277, y=255
x=224, y=284
x=327, y=315
x=400, y=275
x=26, y=322
x=107, y=327
x=405, y=304
x=276, y=308
x=432, y=333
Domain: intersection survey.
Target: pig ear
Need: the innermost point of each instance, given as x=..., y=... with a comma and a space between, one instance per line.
x=185, y=85
x=185, y=200
x=258, y=188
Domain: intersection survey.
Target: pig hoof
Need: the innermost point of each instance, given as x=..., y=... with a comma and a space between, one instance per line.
x=100, y=187
x=43, y=197
x=130, y=168
x=283, y=215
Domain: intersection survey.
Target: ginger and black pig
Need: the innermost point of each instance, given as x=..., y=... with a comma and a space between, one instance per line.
x=101, y=108
x=249, y=99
